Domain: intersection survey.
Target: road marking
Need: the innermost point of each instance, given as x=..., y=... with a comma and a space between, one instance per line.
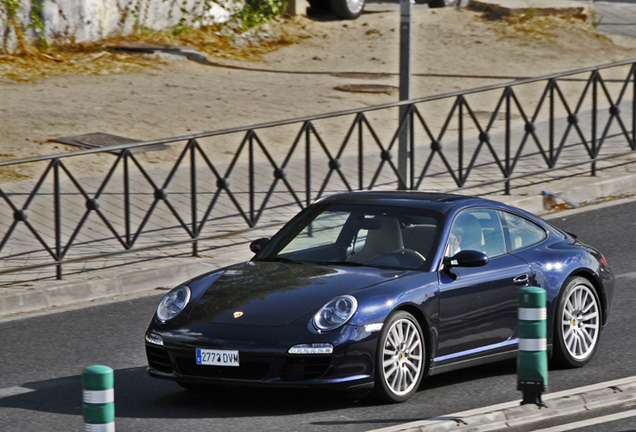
x=14, y=391
x=630, y=275
x=590, y=422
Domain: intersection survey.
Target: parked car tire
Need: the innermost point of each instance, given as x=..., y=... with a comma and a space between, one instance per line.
x=577, y=323
x=346, y=9
x=319, y=5
x=443, y=3
x=400, y=359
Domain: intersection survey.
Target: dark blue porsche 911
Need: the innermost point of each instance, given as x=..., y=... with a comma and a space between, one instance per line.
x=375, y=290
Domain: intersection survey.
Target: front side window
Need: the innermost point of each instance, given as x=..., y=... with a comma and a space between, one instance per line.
x=479, y=230
x=523, y=233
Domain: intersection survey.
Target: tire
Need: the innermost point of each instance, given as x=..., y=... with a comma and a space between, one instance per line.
x=400, y=358
x=347, y=9
x=319, y=5
x=443, y=3
x=577, y=324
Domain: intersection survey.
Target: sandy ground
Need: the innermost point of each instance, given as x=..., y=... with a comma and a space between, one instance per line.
x=178, y=97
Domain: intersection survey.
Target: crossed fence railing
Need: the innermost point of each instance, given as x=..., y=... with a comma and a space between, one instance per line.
x=209, y=185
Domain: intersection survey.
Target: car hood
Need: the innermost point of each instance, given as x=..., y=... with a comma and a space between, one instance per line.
x=275, y=293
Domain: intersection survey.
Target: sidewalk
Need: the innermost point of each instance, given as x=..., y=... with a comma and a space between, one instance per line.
x=154, y=271
x=509, y=415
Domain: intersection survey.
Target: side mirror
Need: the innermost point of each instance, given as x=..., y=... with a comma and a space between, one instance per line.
x=467, y=258
x=257, y=245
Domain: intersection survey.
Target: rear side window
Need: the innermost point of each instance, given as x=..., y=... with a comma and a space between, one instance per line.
x=523, y=233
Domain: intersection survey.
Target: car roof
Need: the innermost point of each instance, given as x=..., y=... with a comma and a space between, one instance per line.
x=442, y=202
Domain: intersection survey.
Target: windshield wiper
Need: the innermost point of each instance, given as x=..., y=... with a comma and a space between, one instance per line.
x=343, y=263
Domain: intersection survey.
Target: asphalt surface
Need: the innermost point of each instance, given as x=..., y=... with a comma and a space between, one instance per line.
x=616, y=17
x=40, y=386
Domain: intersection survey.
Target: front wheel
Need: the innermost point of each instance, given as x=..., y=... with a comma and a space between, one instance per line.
x=577, y=323
x=347, y=9
x=400, y=358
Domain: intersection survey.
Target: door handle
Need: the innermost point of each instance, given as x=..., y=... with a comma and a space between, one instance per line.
x=521, y=280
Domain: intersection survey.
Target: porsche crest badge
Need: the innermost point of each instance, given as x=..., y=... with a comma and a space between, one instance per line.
x=238, y=314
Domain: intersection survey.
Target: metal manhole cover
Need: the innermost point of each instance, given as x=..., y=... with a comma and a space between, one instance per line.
x=367, y=88
x=102, y=140
x=362, y=75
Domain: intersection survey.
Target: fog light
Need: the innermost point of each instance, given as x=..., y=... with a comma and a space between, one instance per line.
x=312, y=348
x=154, y=339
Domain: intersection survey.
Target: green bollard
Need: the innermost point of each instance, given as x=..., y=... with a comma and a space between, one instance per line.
x=532, y=361
x=99, y=399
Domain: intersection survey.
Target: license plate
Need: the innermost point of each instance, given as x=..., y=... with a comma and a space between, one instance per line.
x=217, y=357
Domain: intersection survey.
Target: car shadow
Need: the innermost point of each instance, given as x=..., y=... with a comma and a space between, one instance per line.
x=325, y=15
x=139, y=396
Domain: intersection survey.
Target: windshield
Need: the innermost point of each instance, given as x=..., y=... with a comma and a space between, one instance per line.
x=359, y=234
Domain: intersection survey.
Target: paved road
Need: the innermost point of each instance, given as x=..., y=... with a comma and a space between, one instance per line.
x=43, y=356
x=616, y=16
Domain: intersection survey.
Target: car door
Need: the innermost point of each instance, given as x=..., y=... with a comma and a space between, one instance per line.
x=478, y=305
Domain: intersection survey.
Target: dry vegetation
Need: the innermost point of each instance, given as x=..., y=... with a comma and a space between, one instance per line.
x=540, y=27
x=106, y=57
x=230, y=42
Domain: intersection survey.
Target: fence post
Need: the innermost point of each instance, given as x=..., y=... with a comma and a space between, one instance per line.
x=99, y=399
x=532, y=360
x=406, y=10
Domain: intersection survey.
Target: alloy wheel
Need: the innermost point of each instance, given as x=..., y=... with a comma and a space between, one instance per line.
x=580, y=323
x=402, y=357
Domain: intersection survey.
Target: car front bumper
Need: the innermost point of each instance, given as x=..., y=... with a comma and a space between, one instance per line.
x=265, y=360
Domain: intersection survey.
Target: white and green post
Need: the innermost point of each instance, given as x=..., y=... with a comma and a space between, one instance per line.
x=99, y=399
x=532, y=361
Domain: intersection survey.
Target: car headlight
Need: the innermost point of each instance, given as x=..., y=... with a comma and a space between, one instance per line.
x=335, y=313
x=173, y=303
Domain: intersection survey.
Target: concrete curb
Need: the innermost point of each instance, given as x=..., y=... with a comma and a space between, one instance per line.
x=511, y=414
x=538, y=7
x=580, y=190
x=97, y=287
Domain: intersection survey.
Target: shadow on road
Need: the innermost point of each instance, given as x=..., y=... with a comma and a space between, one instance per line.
x=139, y=396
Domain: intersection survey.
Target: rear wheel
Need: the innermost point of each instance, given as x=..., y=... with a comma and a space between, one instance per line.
x=347, y=9
x=577, y=324
x=400, y=358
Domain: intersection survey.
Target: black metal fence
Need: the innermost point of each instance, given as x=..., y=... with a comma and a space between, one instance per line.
x=209, y=185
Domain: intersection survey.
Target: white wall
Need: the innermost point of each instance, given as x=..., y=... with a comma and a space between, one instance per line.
x=91, y=20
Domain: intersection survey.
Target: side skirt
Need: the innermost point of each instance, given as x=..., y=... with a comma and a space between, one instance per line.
x=476, y=357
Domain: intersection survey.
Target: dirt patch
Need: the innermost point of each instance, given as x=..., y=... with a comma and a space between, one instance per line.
x=293, y=72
